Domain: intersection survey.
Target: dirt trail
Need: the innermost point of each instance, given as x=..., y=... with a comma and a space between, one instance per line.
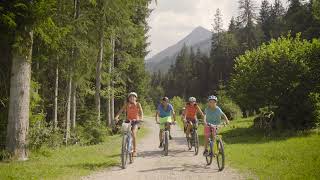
x=152, y=165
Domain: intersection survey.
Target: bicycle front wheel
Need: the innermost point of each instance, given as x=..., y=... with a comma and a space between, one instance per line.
x=220, y=154
x=209, y=155
x=124, y=151
x=166, y=143
x=196, y=142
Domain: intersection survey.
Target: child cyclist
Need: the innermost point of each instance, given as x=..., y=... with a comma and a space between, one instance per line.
x=165, y=111
x=190, y=115
x=134, y=113
x=213, y=115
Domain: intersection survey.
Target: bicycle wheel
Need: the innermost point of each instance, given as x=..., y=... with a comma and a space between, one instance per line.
x=209, y=155
x=220, y=154
x=130, y=152
x=196, y=142
x=166, y=143
x=189, y=143
x=124, y=151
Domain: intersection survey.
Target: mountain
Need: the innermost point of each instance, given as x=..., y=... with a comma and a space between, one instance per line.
x=198, y=38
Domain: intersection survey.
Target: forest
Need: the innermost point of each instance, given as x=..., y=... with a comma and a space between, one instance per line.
x=66, y=66
x=267, y=60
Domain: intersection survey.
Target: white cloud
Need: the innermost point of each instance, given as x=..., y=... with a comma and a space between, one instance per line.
x=171, y=20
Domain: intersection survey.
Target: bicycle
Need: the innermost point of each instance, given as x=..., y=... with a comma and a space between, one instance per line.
x=219, y=145
x=126, y=149
x=165, y=137
x=194, y=140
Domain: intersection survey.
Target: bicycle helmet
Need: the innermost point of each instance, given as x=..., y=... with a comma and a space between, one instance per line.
x=165, y=99
x=133, y=94
x=212, y=98
x=192, y=99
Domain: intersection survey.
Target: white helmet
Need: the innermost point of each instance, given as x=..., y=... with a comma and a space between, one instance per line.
x=213, y=98
x=192, y=99
x=133, y=94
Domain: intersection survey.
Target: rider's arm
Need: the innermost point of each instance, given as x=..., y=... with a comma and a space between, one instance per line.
x=121, y=110
x=174, y=115
x=185, y=115
x=140, y=111
x=205, y=120
x=225, y=118
x=200, y=111
x=157, y=116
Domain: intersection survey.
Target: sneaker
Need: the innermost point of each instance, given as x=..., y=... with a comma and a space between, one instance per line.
x=170, y=137
x=134, y=154
x=205, y=152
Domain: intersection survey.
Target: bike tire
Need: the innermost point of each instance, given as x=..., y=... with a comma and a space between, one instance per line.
x=189, y=143
x=196, y=142
x=209, y=155
x=124, y=151
x=166, y=143
x=220, y=154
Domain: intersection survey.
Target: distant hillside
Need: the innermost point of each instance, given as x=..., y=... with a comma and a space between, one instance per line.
x=198, y=38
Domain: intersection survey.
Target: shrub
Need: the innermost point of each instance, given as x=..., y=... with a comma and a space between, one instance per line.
x=178, y=103
x=43, y=134
x=285, y=74
x=228, y=106
x=90, y=133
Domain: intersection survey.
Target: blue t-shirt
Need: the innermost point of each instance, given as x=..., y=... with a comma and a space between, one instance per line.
x=213, y=116
x=165, y=112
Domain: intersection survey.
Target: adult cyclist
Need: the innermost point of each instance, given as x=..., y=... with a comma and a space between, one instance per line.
x=190, y=115
x=134, y=113
x=165, y=111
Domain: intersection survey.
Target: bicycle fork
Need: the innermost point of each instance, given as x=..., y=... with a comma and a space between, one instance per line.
x=129, y=148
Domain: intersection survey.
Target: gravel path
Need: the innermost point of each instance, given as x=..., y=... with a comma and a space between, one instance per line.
x=152, y=165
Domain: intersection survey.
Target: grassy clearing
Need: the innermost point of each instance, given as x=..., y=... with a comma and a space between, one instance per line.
x=66, y=163
x=283, y=155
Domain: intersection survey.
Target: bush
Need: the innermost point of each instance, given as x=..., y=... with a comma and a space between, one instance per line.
x=284, y=74
x=178, y=103
x=90, y=133
x=43, y=134
x=148, y=108
x=228, y=106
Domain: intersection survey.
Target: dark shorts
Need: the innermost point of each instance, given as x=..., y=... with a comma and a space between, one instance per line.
x=134, y=124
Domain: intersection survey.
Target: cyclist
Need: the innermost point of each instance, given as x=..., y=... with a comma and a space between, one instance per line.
x=190, y=115
x=134, y=113
x=165, y=111
x=213, y=115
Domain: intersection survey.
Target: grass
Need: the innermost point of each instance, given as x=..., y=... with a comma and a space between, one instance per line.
x=283, y=155
x=66, y=163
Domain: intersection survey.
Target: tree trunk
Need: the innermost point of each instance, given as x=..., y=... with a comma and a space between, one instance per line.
x=55, y=110
x=67, y=122
x=74, y=105
x=98, y=75
x=18, y=119
x=112, y=82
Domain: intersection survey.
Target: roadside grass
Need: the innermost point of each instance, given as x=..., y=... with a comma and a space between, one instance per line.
x=66, y=163
x=282, y=155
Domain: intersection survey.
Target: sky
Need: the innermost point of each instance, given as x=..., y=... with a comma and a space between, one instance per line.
x=172, y=20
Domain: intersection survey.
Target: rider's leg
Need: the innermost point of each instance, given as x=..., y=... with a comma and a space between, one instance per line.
x=160, y=135
x=189, y=127
x=134, y=135
x=169, y=128
x=206, y=136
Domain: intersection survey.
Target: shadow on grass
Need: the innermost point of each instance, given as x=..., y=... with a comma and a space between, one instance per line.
x=110, y=161
x=250, y=135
